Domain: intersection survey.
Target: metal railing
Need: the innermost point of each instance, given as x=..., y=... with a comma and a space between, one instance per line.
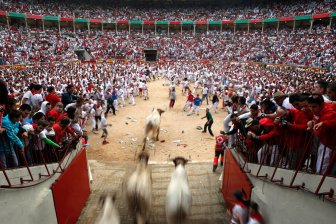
x=311, y=157
x=35, y=153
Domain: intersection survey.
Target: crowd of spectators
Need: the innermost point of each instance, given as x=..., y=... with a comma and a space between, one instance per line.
x=75, y=93
x=61, y=97
x=279, y=9
x=303, y=48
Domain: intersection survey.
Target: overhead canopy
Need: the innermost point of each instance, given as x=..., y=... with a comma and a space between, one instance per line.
x=162, y=22
x=96, y=21
x=17, y=15
x=286, y=19
x=125, y=22
x=66, y=19
x=175, y=22
x=51, y=18
x=212, y=22
x=80, y=20
x=149, y=22
x=300, y=18
x=255, y=20
x=242, y=21
x=201, y=22
x=271, y=20
x=187, y=22
x=227, y=22
x=136, y=22
x=321, y=16
x=32, y=16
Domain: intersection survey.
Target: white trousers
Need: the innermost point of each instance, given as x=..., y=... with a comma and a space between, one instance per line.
x=265, y=151
x=226, y=123
x=214, y=107
x=132, y=100
x=187, y=105
x=320, y=158
x=194, y=109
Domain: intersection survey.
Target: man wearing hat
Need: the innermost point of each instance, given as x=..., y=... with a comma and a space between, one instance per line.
x=221, y=145
x=271, y=135
x=282, y=99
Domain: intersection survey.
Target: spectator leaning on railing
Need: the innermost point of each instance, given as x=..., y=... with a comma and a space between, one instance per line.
x=324, y=127
x=10, y=139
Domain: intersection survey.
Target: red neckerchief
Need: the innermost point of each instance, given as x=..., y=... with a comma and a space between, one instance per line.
x=257, y=216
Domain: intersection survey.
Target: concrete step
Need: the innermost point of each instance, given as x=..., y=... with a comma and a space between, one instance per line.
x=207, y=201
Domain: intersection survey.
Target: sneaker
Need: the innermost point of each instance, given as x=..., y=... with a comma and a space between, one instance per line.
x=203, y=131
x=214, y=168
x=105, y=142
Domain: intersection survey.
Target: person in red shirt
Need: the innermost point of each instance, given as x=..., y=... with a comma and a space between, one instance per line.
x=271, y=135
x=331, y=92
x=294, y=122
x=56, y=111
x=324, y=127
x=51, y=97
x=221, y=145
x=61, y=129
x=190, y=100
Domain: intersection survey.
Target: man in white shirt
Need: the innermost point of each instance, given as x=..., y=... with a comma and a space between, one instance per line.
x=205, y=94
x=36, y=98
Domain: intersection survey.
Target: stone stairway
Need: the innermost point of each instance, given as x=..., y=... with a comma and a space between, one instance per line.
x=207, y=201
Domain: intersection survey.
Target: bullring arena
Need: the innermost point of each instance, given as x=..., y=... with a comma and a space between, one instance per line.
x=110, y=163
x=167, y=111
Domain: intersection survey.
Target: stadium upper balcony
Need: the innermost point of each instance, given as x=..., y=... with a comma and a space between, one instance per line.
x=276, y=10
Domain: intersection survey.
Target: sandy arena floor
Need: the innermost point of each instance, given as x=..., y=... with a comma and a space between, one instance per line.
x=127, y=130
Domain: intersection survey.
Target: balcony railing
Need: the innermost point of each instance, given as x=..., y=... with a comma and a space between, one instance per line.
x=36, y=153
x=276, y=156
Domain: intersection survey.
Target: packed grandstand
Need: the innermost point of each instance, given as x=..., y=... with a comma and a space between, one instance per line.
x=273, y=68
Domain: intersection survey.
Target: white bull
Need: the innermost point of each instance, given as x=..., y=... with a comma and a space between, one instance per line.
x=153, y=122
x=178, y=198
x=139, y=190
x=109, y=214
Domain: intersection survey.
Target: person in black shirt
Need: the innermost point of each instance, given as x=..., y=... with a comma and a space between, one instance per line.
x=68, y=96
x=209, y=122
x=215, y=102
